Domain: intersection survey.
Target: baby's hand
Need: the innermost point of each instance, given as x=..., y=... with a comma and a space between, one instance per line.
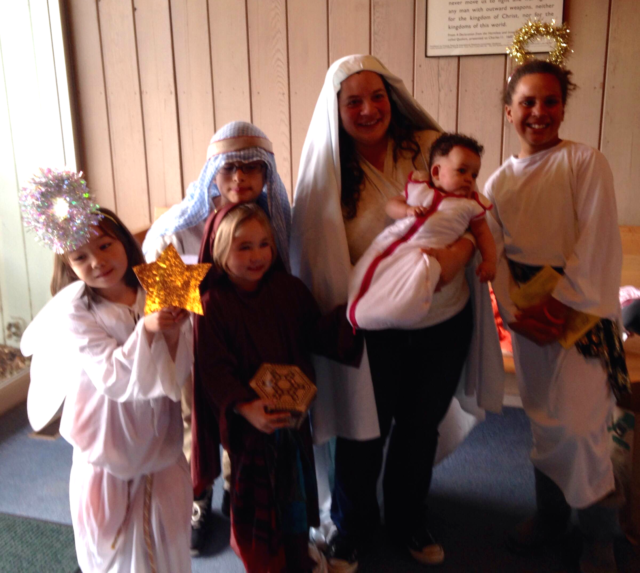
x=486, y=271
x=416, y=211
x=268, y=422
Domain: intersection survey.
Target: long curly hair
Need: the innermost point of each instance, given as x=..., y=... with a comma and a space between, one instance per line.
x=402, y=133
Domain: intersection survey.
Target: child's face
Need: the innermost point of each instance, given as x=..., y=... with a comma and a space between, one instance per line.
x=536, y=112
x=240, y=182
x=101, y=263
x=456, y=172
x=250, y=255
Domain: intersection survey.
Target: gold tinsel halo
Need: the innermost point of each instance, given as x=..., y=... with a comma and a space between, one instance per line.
x=538, y=29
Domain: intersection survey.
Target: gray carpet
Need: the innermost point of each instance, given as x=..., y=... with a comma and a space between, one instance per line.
x=34, y=546
x=478, y=494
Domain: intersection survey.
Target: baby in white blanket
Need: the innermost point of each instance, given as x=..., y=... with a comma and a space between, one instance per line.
x=393, y=283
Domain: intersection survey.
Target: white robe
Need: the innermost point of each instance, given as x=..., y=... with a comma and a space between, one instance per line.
x=122, y=415
x=558, y=208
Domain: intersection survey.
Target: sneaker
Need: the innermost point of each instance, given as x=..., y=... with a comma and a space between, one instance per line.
x=424, y=548
x=225, y=508
x=533, y=534
x=342, y=555
x=199, y=522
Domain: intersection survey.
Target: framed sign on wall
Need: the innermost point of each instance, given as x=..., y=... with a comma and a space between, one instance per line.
x=475, y=27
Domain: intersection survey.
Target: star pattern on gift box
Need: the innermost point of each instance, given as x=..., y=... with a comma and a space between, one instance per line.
x=170, y=282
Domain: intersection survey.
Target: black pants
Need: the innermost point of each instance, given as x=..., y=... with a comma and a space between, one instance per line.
x=415, y=374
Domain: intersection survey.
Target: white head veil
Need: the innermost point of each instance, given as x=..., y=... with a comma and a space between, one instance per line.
x=317, y=214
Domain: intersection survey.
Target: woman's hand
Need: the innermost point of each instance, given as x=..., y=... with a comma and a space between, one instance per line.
x=452, y=259
x=268, y=422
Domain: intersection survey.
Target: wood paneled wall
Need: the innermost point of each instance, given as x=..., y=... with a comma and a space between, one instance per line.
x=155, y=78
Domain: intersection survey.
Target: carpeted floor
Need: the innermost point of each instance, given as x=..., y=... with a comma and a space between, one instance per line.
x=478, y=494
x=32, y=546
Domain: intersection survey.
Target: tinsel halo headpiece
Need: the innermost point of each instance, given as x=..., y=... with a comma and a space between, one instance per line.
x=57, y=207
x=536, y=29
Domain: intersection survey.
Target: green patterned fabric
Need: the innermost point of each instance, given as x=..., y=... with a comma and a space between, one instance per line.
x=35, y=546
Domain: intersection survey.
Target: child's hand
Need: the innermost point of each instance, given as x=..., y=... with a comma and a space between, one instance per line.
x=417, y=211
x=166, y=319
x=255, y=413
x=486, y=271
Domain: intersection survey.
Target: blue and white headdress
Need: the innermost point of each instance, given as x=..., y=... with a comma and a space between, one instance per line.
x=236, y=141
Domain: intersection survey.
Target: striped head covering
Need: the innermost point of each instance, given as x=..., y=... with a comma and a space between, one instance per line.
x=236, y=141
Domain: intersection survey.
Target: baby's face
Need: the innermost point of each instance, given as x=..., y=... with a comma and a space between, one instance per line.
x=456, y=172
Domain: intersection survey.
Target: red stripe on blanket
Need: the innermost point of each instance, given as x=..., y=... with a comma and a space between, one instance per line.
x=368, y=276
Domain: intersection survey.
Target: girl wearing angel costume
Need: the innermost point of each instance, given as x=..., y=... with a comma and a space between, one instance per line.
x=338, y=211
x=554, y=205
x=119, y=374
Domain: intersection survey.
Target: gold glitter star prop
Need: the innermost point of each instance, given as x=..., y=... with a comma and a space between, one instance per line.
x=170, y=282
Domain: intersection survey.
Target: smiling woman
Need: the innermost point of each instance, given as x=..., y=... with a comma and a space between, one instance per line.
x=366, y=136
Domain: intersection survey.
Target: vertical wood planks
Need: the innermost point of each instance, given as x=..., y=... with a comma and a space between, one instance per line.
x=230, y=61
x=159, y=105
x=94, y=143
x=621, y=120
x=436, y=79
x=192, y=59
x=392, y=36
x=479, y=107
x=308, y=64
x=349, y=28
x=125, y=112
x=270, y=78
x=588, y=20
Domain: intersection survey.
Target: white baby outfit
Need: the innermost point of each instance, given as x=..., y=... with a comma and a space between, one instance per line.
x=392, y=284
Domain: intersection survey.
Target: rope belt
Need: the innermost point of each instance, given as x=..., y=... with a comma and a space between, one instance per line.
x=146, y=520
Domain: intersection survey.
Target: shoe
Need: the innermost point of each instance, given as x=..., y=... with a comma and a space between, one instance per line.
x=342, y=555
x=533, y=534
x=225, y=508
x=424, y=548
x=200, y=522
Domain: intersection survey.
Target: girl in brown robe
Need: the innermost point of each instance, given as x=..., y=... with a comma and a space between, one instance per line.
x=256, y=313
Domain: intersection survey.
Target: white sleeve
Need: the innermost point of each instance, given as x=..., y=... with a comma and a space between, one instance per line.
x=133, y=371
x=592, y=272
x=154, y=249
x=502, y=282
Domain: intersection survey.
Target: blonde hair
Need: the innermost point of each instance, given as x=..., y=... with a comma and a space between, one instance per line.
x=229, y=227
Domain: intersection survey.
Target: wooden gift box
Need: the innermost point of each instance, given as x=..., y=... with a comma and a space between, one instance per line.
x=286, y=387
